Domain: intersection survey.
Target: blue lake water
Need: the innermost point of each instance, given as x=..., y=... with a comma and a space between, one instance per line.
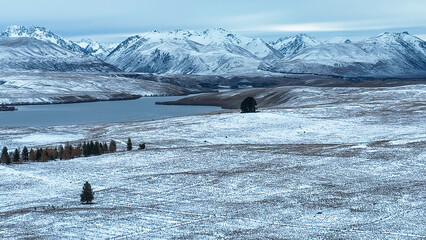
x=98, y=112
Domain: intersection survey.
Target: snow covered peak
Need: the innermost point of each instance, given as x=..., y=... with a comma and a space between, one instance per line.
x=391, y=38
x=40, y=33
x=95, y=48
x=216, y=31
x=300, y=38
x=289, y=46
x=397, y=41
x=213, y=38
x=24, y=53
x=84, y=42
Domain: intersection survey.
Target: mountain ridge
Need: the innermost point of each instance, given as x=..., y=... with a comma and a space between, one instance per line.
x=217, y=51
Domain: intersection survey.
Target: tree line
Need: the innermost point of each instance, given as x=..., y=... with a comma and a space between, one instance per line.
x=92, y=148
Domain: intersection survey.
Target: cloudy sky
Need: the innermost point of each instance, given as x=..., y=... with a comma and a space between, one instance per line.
x=113, y=20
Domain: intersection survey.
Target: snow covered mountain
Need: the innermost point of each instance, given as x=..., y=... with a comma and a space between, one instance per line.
x=17, y=54
x=42, y=34
x=214, y=51
x=290, y=46
x=100, y=50
x=217, y=52
x=386, y=55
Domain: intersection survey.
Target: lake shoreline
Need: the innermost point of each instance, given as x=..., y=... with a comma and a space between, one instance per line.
x=89, y=99
x=98, y=112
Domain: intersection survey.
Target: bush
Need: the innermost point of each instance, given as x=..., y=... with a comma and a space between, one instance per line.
x=141, y=146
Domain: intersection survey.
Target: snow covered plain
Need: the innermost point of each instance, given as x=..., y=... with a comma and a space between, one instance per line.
x=313, y=169
x=60, y=87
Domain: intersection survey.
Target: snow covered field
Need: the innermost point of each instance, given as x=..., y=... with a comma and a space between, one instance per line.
x=313, y=169
x=54, y=87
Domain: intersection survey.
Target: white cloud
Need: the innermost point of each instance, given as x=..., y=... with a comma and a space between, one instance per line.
x=421, y=36
x=326, y=26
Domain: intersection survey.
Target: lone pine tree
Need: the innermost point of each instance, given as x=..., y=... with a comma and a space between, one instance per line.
x=129, y=144
x=87, y=195
x=248, y=105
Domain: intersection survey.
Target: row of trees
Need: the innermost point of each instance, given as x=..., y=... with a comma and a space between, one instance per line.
x=130, y=145
x=95, y=148
x=62, y=152
x=92, y=148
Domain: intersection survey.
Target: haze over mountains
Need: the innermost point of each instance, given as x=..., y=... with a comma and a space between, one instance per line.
x=215, y=52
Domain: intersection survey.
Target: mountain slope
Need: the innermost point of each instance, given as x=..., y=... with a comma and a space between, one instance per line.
x=386, y=55
x=290, y=46
x=213, y=51
x=218, y=52
x=100, y=50
x=42, y=34
x=63, y=87
x=17, y=54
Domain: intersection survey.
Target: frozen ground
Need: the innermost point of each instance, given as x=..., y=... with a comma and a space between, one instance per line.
x=314, y=169
x=60, y=87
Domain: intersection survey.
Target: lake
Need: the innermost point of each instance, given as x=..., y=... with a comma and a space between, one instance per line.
x=98, y=112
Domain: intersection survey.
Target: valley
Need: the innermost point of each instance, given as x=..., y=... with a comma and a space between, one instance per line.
x=315, y=167
x=336, y=149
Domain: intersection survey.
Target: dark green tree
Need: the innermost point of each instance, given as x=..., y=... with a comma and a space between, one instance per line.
x=16, y=156
x=248, y=105
x=105, y=148
x=96, y=149
x=5, y=157
x=25, y=154
x=129, y=144
x=87, y=195
x=91, y=148
x=85, y=149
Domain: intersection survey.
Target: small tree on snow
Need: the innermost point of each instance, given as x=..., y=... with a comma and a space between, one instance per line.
x=129, y=144
x=248, y=105
x=87, y=194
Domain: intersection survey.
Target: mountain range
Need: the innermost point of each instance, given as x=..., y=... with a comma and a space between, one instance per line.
x=215, y=52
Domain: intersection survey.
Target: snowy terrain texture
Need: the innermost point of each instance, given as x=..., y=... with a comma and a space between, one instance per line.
x=17, y=54
x=51, y=87
x=100, y=50
x=351, y=166
x=220, y=52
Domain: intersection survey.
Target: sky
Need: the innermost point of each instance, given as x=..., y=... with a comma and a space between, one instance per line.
x=115, y=20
